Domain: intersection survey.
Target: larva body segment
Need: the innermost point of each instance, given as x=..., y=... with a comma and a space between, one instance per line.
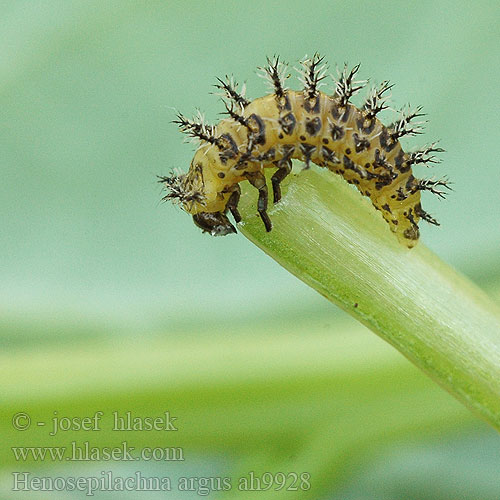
x=310, y=126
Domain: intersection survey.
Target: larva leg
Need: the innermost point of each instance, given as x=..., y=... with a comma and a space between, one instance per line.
x=259, y=181
x=425, y=216
x=284, y=168
x=233, y=201
x=215, y=223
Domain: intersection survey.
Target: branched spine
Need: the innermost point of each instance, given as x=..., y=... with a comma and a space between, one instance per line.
x=197, y=128
x=403, y=126
x=275, y=74
x=346, y=86
x=426, y=216
x=235, y=115
x=432, y=185
x=312, y=73
x=424, y=155
x=230, y=91
x=376, y=100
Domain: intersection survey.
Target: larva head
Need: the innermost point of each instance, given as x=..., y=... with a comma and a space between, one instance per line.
x=198, y=194
x=184, y=189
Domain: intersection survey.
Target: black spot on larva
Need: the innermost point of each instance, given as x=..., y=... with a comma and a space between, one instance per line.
x=384, y=179
x=367, y=193
x=312, y=105
x=395, y=222
x=365, y=125
x=286, y=103
x=325, y=141
x=346, y=113
x=258, y=128
x=337, y=132
x=221, y=175
x=410, y=217
x=367, y=165
x=280, y=135
x=281, y=101
x=401, y=196
x=387, y=208
x=402, y=165
x=348, y=163
x=379, y=159
x=348, y=151
x=398, y=160
x=386, y=141
x=303, y=137
x=335, y=111
x=268, y=155
x=242, y=163
x=411, y=233
x=410, y=183
x=287, y=123
x=313, y=126
x=360, y=143
x=329, y=155
x=230, y=148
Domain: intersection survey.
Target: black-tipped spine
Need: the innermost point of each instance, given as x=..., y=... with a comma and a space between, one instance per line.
x=376, y=100
x=404, y=127
x=230, y=91
x=346, y=85
x=312, y=74
x=425, y=155
x=432, y=185
x=197, y=129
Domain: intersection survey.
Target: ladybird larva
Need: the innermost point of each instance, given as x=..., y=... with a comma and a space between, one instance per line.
x=310, y=126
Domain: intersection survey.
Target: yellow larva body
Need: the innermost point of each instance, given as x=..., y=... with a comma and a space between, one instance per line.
x=310, y=126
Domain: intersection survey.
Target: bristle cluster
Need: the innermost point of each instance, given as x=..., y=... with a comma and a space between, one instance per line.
x=311, y=74
x=432, y=185
x=196, y=128
x=425, y=216
x=404, y=126
x=229, y=90
x=424, y=155
x=347, y=86
x=376, y=100
x=174, y=184
x=180, y=190
x=235, y=114
x=275, y=73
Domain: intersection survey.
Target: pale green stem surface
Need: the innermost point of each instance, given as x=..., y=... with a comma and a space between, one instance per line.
x=332, y=238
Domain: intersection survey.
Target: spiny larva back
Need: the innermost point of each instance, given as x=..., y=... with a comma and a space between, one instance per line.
x=310, y=126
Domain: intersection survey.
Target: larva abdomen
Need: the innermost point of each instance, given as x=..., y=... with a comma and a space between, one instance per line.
x=313, y=127
x=330, y=138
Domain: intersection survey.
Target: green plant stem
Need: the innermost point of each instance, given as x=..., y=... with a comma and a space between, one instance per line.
x=330, y=237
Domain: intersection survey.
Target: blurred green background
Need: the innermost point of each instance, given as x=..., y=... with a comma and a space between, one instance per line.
x=111, y=300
